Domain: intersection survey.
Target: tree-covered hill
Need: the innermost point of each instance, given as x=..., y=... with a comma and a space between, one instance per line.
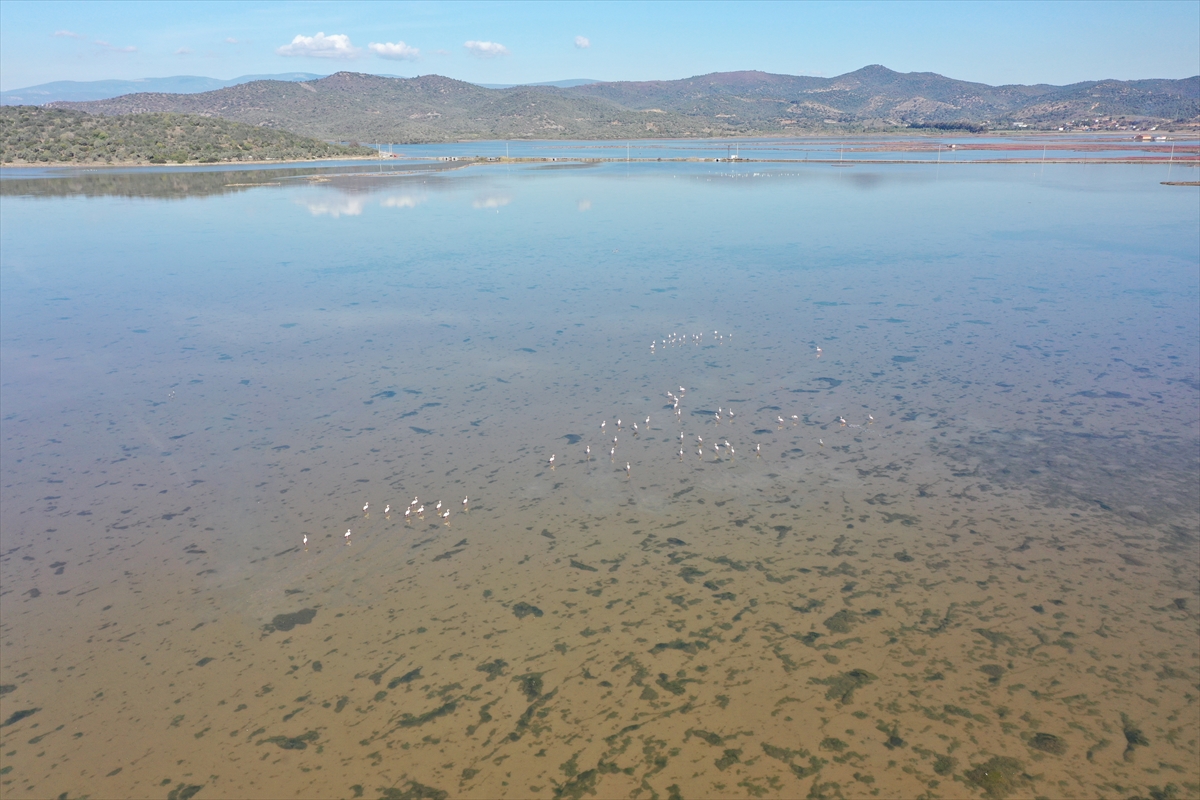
x=369, y=108
x=875, y=97
x=32, y=135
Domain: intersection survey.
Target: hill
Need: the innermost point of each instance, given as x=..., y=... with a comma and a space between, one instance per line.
x=431, y=108
x=351, y=106
x=31, y=135
x=875, y=97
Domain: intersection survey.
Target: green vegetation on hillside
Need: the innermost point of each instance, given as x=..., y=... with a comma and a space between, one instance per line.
x=368, y=108
x=877, y=98
x=350, y=106
x=31, y=135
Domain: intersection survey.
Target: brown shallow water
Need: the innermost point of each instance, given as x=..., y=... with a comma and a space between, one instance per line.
x=989, y=590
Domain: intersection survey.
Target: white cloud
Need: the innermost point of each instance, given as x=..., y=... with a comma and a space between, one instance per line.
x=107, y=46
x=65, y=34
x=486, y=49
x=230, y=40
x=397, y=51
x=320, y=46
x=183, y=51
x=402, y=201
x=582, y=42
x=584, y=205
x=349, y=207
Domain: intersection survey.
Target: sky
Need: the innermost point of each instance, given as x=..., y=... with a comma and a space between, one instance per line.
x=997, y=42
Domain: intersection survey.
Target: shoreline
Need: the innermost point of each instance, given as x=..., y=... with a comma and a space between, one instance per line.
x=1193, y=161
x=1010, y=142
x=127, y=164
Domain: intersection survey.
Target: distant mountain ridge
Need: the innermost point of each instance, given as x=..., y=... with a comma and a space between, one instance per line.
x=350, y=106
x=567, y=84
x=83, y=91
x=86, y=91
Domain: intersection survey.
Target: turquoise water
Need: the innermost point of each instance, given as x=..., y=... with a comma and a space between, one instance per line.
x=993, y=372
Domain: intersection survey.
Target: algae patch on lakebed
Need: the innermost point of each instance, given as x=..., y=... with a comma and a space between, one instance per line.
x=285, y=622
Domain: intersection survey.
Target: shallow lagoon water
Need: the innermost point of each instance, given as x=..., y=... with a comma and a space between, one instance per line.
x=947, y=149
x=987, y=587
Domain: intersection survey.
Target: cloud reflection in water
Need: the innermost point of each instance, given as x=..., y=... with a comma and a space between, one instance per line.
x=401, y=201
x=348, y=207
x=492, y=201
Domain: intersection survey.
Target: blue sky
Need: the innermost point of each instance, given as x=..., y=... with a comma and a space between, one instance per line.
x=511, y=42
